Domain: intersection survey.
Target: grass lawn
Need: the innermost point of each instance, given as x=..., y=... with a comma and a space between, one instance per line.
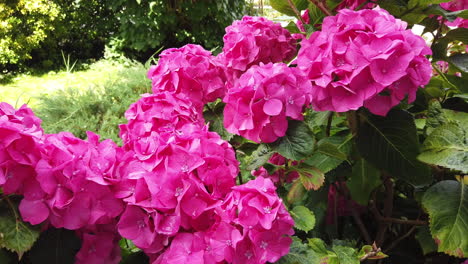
x=26, y=89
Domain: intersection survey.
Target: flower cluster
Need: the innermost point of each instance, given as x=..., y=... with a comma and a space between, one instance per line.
x=258, y=105
x=251, y=226
x=73, y=191
x=20, y=133
x=364, y=58
x=156, y=114
x=254, y=40
x=456, y=5
x=62, y=179
x=190, y=71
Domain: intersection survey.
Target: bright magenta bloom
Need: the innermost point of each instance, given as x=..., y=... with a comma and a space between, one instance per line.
x=254, y=40
x=191, y=72
x=73, y=192
x=364, y=58
x=456, y=5
x=258, y=105
x=20, y=136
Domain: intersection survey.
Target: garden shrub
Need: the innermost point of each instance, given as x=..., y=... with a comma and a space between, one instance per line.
x=24, y=24
x=146, y=26
x=353, y=151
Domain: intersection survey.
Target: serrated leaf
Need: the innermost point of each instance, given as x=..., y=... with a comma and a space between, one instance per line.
x=346, y=255
x=337, y=255
x=316, y=119
x=304, y=219
x=364, y=179
x=447, y=205
x=447, y=146
x=331, y=150
x=391, y=143
x=297, y=144
x=299, y=253
x=259, y=157
x=16, y=235
x=311, y=177
x=424, y=237
x=296, y=193
x=55, y=246
x=283, y=6
x=327, y=163
x=215, y=119
x=460, y=60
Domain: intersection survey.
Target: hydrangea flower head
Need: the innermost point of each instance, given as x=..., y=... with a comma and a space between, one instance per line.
x=20, y=138
x=255, y=40
x=258, y=105
x=190, y=71
x=154, y=114
x=73, y=191
x=364, y=58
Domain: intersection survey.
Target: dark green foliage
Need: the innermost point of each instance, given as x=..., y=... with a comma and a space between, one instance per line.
x=145, y=26
x=97, y=109
x=82, y=29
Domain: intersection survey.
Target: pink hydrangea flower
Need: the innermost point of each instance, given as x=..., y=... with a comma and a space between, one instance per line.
x=190, y=71
x=73, y=191
x=99, y=246
x=254, y=40
x=258, y=105
x=264, y=222
x=364, y=58
x=20, y=138
x=456, y=5
x=185, y=248
x=178, y=188
x=154, y=114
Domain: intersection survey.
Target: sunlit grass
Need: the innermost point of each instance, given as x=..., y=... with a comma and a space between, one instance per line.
x=26, y=89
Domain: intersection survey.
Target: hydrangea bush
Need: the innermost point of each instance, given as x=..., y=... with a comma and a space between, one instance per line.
x=317, y=145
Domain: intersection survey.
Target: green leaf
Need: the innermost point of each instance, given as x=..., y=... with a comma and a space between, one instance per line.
x=259, y=157
x=55, y=246
x=282, y=6
x=391, y=143
x=316, y=119
x=462, y=13
x=331, y=150
x=447, y=205
x=447, y=146
x=214, y=117
x=304, y=219
x=16, y=235
x=311, y=177
x=326, y=163
x=346, y=255
x=297, y=144
x=337, y=255
x=364, y=179
x=296, y=193
x=424, y=237
x=299, y=253
x=460, y=60
x=460, y=34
